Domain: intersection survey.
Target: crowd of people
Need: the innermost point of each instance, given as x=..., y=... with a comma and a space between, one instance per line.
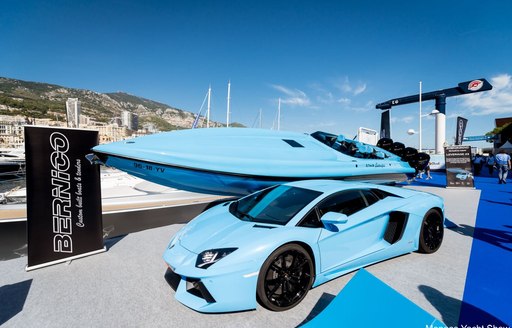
x=500, y=163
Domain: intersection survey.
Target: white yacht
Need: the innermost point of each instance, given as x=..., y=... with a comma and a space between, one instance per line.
x=12, y=162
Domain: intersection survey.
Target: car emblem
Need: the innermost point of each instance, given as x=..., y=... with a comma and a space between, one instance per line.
x=209, y=257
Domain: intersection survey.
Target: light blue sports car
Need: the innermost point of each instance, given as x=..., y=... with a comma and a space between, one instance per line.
x=274, y=245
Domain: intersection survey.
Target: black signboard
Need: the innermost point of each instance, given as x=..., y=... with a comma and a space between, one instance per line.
x=63, y=196
x=458, y=167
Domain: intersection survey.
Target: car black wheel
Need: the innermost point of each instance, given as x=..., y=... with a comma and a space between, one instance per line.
x=431, y=234
x=285, y=278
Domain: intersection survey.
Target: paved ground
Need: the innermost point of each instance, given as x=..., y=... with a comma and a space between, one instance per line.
x=125, y=287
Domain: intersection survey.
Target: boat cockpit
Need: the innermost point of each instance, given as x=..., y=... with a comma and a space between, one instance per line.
x=349, y=147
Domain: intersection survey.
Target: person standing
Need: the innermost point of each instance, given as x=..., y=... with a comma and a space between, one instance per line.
x=491, y=162
x=427, y=171
x=477, y=164
x=503, y=164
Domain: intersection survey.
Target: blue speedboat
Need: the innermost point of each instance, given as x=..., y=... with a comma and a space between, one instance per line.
x=238, y=161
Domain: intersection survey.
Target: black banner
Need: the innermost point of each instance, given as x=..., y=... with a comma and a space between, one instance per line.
x=385, y=125
x=461, y=129
x=458, y=167
x=63, y=196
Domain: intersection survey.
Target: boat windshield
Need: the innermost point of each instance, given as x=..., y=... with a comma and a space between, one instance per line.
x=275, y=205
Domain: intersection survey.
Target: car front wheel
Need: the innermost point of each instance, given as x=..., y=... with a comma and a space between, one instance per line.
x=285, y=278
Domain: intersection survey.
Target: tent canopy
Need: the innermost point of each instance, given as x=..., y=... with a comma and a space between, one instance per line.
x=507, y=146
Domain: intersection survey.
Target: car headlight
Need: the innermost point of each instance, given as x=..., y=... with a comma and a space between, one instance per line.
x=211, y=256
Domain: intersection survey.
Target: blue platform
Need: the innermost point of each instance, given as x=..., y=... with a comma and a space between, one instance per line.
x=368, y=302
x=488, y=290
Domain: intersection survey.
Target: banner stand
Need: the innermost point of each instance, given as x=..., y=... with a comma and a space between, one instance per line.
x=64, y=217
x=68, y=259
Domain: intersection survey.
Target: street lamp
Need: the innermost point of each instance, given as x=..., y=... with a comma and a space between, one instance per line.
x=412, y=131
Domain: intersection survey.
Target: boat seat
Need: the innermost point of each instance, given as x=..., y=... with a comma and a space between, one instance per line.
x=355, y=148
x=351, y=148
x=379, y=155
x=340, y=144
x=364, y=151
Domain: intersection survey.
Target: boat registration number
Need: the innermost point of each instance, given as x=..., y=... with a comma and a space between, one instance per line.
x=148, y=167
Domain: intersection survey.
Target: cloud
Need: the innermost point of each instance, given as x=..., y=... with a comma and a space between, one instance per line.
x=359, y=89
x=344, y=101
x=339, y=92
x=450, y=115
x=501, y=81
x=323, y=96
x=348, y=104
x=327, y=98
x=293, y=97
x=405, y=119
x=346, y=87
x=497, y=101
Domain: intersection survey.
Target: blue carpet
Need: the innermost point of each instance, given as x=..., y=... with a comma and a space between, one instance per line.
x=368, y=302
x=487, y=297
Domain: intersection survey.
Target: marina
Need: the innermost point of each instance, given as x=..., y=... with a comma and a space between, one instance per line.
x=255, y=164
x=120, y=192
x=129, y=204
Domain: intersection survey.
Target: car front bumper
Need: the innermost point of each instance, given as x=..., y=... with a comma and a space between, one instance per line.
x=213, y=289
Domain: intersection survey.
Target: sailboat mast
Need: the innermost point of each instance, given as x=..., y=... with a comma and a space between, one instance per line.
x=208, y=111
x=279, y=115
x=260, y=118
x=229, y=100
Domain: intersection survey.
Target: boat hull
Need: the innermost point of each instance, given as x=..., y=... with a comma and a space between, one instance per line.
x=12, y=169
x=222, y=183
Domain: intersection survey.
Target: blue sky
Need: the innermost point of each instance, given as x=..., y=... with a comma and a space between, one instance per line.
x=329, y=61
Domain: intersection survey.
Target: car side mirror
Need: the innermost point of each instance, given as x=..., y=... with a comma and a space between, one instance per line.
x=334, y=218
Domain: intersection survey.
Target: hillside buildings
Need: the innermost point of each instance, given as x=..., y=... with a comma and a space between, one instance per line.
x=73, y=112
x=11, y=131
x=130, y=120
x=12, y=127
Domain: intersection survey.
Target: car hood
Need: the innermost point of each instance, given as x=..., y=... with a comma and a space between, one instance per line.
x=217, y=228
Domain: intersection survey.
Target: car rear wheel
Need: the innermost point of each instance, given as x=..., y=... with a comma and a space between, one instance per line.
x=285, y=278
x=431, y=234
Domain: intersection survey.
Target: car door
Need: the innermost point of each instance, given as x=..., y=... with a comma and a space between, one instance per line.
x=360, y=235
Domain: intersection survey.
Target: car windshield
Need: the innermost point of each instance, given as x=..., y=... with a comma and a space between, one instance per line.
x=275, y=205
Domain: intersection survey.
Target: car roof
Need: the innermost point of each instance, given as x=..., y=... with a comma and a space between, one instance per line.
x=333, y=186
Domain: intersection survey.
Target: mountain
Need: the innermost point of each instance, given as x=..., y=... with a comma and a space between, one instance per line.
x=42, y=100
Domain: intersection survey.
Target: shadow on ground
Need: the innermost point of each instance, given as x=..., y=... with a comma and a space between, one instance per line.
x=12, y=299
x=322, y=303
x=498, y=238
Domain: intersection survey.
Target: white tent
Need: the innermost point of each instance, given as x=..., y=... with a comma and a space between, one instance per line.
x=506, y=146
